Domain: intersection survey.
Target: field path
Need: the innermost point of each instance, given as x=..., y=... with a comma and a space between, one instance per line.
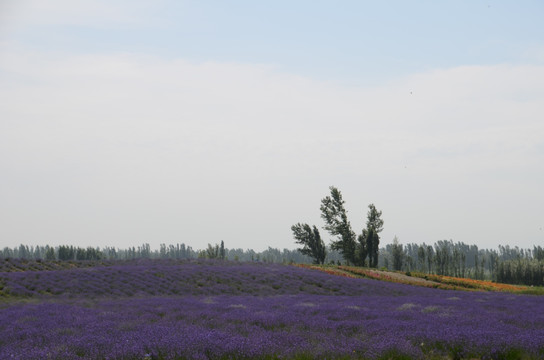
x=378, y=275
x=405, y=278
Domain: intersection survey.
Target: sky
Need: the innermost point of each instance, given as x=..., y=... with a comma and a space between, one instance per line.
x=130, y=122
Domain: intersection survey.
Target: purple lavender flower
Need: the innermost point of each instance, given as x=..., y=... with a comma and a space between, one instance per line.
x=209, y=310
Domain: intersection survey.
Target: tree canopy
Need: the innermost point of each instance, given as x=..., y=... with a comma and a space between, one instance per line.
x=335, y=216
x=311, y=242
x=355, y=249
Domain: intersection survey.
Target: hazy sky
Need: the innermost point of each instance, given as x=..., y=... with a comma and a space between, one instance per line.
x=124, y=122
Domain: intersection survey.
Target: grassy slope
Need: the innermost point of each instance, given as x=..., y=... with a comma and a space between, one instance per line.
x=429, y=280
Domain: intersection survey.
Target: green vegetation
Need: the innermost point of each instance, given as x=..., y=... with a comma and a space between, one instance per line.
x=354, y=249
x=311, y=242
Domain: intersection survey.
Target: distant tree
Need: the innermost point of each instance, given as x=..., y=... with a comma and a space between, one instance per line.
x=94, y=254
x=311, y=242
x=49, y=253
x=7, y=253
x=398, y=254
x=456, y=262
x=88, y=254
x=477, y=265
x=162, y=251
x=482, y=268
x=538, y=253
x=430, y=258
x=442, y=257
x=24, y=252
x=66, y=252
x=110, y=253
x=145, y=251
x=212, y=252
x=421, y=257
x=463, y=264
x=38, y=252
x=334, y=214
x=81, y=254
x=222, y=250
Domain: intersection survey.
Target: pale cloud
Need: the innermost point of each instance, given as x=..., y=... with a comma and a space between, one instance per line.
x=25, y=14
x=123, y=148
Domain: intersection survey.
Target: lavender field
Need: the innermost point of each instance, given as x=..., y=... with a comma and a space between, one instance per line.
x=227, y=310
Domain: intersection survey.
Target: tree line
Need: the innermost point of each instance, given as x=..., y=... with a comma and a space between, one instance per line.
x=510, y=265
x=176, y=251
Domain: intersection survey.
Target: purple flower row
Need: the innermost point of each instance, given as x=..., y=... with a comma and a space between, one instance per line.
x=157, y=278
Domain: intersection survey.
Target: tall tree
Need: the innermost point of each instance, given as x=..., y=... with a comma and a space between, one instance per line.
x=374, y=239
x=374, y=219
x=374, y=225
x=311, y=242
x=362, y=248
x=334, y=214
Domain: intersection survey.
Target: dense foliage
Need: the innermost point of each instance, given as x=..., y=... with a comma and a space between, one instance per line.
x=176, y=251
x=202, y=309
x=354, y=249
x=509, y=264
x=310, y=239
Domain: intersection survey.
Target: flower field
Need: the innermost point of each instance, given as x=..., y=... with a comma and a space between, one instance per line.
x=228, y=310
